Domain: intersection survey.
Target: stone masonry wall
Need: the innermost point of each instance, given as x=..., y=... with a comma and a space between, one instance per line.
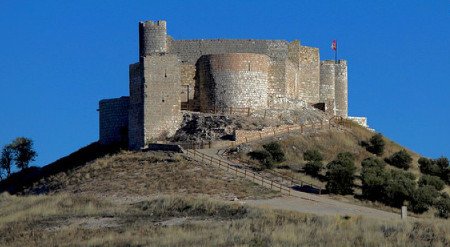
x=341, y=89
x=152, y=37
x=162, y=115
x=113, y=114
x=187, y=81
x=233, y=80
x=136, y=111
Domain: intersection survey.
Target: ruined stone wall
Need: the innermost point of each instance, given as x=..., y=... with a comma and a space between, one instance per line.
x=162, y=116
x=341, y=88
x=233, y=80
x=113, y=120
x=152, y=37
x=136, y=110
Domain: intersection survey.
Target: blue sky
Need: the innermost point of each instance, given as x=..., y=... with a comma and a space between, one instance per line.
x=59, y=58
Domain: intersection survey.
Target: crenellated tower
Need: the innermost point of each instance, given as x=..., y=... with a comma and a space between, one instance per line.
x=152, y=37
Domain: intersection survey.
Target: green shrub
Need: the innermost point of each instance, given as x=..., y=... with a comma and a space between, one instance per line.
x=313, y=168
x=341, y=174
x=434, y=181
x=436, y=167
x=275, y=150
x=400, y=159
x=312, y=155
x=399, y=187
x=443, y=206
x=262, y=156
x=376, y=144
x=374, y=179
x=423, y=198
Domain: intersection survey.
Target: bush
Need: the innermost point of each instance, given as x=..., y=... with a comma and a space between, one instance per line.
x=399, y=187
x=437, y=167
x=262, y=156
x=312, y=155
x=400, y=159
x=341, y=174
x=313, y=168
x=423, y=198
x=376, y=144
x=443, y=206
x=428, y=166
x=374, y=179
x=275, y=151
x=434, y=181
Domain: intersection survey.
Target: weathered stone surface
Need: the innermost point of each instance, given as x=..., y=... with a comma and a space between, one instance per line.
x=264, y=75
x=113, y=120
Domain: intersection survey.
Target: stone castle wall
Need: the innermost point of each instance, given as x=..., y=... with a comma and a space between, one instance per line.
x=222, y=73
x=233, y=80
x=161, y=81
x=113, y=120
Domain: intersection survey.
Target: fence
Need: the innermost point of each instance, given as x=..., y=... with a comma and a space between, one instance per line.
x=247, y=174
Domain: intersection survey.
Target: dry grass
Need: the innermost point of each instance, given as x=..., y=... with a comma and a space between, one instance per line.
x=174, y=221
x=132, y=174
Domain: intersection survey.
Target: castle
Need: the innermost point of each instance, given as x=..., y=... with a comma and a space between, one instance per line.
x=222, y=73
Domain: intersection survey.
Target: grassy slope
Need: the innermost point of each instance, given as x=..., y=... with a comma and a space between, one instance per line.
x=134, y=175
x=330, y=143
x=175, y=221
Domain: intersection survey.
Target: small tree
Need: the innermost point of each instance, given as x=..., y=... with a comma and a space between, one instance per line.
x=434, y=181
x=443, y=206
x=423, y=198
x=374, y=179
x=6, y=159
x=400, y=159
x=341, y=174
x=275, y=151
x=23, y=152
x=399, y=188
x=376, y=144
x=314, y=164
x=428, y=166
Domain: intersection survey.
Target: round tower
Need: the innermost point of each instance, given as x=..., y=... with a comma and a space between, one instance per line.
x=152, y=37
x=237, y=80
x=327, y=85
x=341, y=88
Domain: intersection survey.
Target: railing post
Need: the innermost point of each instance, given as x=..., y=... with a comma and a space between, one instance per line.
x=265, y=112
x=301, y=128
x=231, y=110
x=271, y=184
x=248, y=111
x=245, y=173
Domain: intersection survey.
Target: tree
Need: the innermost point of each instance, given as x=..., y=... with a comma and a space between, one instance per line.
x=23, y=152
x=434, y=181
x=341, y=174
x=275, y=151
x=6, y=159
x=374, y=179
x=428, y=166
x=399, y=188
x=423, y=198
x=314, y=164
x=400, y=159
x=376, y=144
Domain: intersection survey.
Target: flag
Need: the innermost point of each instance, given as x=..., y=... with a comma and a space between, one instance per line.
x=334, y=45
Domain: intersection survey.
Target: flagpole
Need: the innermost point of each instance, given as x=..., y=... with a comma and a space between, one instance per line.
x=335, y=53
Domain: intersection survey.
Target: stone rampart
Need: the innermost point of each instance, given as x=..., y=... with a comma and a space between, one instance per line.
x=113, y=120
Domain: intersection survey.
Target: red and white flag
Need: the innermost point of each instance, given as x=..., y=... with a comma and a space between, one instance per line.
x=334, y=45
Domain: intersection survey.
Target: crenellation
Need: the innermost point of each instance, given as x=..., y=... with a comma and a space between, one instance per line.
x=205, y=73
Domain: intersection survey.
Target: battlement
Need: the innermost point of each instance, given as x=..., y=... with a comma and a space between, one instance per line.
x=154, y=24
x=224, y=73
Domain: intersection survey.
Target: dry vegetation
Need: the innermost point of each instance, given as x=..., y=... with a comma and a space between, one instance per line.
x=133, y=175
x=73, y=220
